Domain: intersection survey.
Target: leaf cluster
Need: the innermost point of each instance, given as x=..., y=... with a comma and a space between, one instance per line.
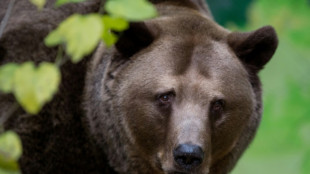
x=33, y=86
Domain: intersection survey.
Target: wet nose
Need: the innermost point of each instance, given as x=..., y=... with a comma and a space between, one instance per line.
x=188, y=156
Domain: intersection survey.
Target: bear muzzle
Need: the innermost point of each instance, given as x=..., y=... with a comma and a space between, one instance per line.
x=188, y=156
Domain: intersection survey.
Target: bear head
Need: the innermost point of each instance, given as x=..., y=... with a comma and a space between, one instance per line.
x=177, y=94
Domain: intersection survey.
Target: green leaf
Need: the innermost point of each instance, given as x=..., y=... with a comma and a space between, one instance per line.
x=136, y=10
x=115, y=24
x=62, y=2
x=39, y=3
x=48, y=79
x=24, y=89
x=109, y=38
x=10, y=150
x=6, y=77
x=34, y=87
x=81, y=34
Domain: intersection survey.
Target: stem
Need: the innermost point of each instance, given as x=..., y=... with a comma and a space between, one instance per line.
x=60, y=59
x=6, y=17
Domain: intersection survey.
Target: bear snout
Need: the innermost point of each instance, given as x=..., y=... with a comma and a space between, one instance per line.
x=188, y=156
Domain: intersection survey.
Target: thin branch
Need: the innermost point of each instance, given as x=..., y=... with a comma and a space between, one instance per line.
x=6, y=17
x=15, y=105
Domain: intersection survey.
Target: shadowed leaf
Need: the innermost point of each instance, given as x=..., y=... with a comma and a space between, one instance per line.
x=132, y=10
x=81, y=34
x=10, y=151
x=6, y=77
x=39, y=3
x=33, y=87
x=62, y=2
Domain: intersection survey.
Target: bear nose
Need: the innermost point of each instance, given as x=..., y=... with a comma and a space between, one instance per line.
x=188, y=156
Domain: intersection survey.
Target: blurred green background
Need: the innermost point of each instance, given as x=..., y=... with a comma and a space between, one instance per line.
x=282, y=144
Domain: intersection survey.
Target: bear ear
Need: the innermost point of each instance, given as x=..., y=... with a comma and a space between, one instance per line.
x=134, y=39
x=255, y=48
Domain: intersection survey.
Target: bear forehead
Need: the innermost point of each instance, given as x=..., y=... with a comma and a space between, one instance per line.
x=189, y=51
x=188, y=39
x=188, y=23
x=176, y=54
x=208, y=67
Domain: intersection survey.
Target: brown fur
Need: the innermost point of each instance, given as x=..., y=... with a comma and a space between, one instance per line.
x=125, y=129
x=54, y=141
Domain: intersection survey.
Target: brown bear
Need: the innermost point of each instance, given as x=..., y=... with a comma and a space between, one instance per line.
x=176, y=94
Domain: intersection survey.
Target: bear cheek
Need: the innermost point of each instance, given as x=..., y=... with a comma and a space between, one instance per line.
x=147, y=126
x=225, y=135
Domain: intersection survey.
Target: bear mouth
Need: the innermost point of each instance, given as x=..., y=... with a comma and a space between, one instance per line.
x=174, y=170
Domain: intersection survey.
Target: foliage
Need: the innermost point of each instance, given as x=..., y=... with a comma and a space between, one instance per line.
x=62, y=2
x=128, y=9
x=39, y=3
x=33, y=87
x=7, y=77
x=80, y=34
x=10, y=151
x=115, y=24
x=283, y=139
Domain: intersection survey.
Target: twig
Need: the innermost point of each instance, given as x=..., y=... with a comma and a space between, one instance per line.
x=15, y=105
x=6, y=17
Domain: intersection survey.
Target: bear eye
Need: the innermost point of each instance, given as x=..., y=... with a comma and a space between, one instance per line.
x=217, y=107
x=166, y=98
